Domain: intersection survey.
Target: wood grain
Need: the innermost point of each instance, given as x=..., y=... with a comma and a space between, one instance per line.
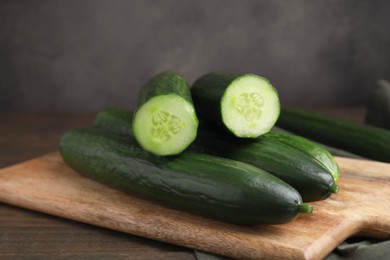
x=26, y=234
x=46, y=184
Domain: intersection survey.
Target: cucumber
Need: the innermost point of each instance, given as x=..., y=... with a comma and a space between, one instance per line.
x=213, y=187
x=244, y=104
x=333, y=151
x=114, y=120
x=165, y=122
x=378, y=108
x=117, y=120
x=297, y=167
x=291, y=165
x=315, y=151
x=367, y=141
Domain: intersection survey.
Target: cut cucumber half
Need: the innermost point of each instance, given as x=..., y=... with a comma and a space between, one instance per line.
x=247, y=105
x=165, y=125
x=250, y=106
x=165, y=122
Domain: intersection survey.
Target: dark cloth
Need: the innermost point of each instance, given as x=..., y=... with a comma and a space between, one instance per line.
x=351, y=249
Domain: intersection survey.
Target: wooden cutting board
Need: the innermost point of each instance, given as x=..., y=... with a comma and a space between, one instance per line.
x=362, y=207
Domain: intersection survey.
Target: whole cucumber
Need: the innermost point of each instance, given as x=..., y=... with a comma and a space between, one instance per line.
x=291, y=165
x=313, y=150
x=210, y=186
x=368, y=141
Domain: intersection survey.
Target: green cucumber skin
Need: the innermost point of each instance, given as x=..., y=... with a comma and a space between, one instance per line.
x=117, y=118
x=207, y=99
x=367, y=141
x=333, y=151
x=294, y=167
x=291, y=165
x=213, y=187
x=318, y=153
x=165, y=83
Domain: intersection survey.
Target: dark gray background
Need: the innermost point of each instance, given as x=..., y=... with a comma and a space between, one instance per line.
x=82, y=56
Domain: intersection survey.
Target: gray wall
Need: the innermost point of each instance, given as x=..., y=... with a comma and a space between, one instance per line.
x=81, y=56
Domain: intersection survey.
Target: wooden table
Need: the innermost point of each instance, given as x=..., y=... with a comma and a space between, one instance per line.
x=25, y=233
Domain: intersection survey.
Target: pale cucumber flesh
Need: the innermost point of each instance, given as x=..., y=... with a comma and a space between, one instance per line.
x=165, y=125
x=250, y=106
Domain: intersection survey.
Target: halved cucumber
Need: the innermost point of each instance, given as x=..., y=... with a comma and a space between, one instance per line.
x=165, y=122
x=247, y=105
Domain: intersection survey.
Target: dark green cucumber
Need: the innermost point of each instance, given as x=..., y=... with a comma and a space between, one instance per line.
x=291, y=165
x=244, y=104
x=315, y=151
x=332, y=150
x=117, y=120
x=367, y=141
x=165, y=122
x=295, y=166
x=378, y=108
x=213, y=187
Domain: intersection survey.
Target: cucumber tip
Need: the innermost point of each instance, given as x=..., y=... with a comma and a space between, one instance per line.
x=305, y=208
x=334, y=188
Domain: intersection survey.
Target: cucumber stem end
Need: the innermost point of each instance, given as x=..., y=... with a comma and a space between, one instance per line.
x=334, y=188
x=305, y=208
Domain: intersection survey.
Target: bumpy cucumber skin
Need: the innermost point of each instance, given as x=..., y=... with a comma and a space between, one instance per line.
x=318, y=153
x=165, y=83
x=367, y=141
x=114, y=120
x=118, y=119
x=298, y=169
x=333, y=151
x=213, y=187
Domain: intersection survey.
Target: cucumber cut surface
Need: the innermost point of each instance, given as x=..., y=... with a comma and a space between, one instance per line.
x=165, y=125
x=246, y=105
x=165, y=122
x=250, y=106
